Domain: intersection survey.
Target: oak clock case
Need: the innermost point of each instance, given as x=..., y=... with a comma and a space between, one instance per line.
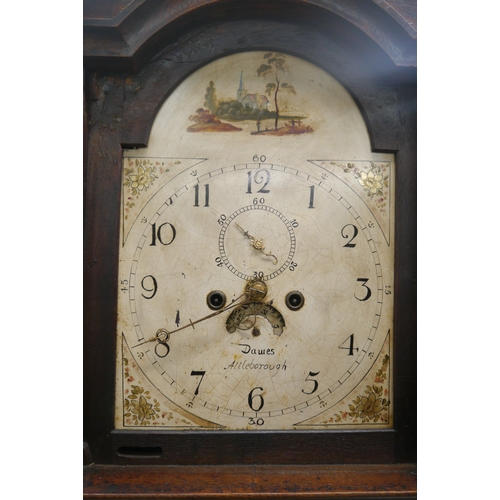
x=256, y=257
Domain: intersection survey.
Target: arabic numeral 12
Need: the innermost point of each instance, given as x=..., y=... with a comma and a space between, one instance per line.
x=260, y=177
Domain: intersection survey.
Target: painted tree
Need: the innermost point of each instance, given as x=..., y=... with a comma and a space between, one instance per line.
x=275, y=65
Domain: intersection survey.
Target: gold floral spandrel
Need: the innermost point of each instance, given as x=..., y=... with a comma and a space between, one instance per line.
x=373, y=405
x=142, y=407
x=367, y=404
x=138, y=176
x=375, y=182
x=373, y=185
x=138, y=409
x=142, y=177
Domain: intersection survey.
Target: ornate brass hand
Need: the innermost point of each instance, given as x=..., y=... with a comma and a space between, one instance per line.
x=257, y=243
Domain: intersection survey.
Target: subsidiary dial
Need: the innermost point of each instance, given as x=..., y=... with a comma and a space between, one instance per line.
x=257, y=241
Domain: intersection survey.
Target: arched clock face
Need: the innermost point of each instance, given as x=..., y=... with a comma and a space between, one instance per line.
x=255, y=294
x=255, y=290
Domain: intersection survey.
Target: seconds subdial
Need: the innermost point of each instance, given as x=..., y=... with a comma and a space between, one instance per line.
x=267, y=225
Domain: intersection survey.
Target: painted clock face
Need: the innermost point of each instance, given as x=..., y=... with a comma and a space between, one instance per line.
x=255, y=293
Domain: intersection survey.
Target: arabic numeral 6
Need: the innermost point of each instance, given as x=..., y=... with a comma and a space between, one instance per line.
x=256, y=401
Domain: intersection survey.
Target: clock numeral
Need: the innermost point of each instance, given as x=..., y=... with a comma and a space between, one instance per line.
x=162, y=349
x=157, y=234
x=146, y=282
x=368, y=291
x=197, y=195
x=259, y=178
x=201, y=374
x=316, y=383
x=255, y=421
x=350, y=243
x=351, y=347
x=255, y=401
x=256, y=158
x=311, y=197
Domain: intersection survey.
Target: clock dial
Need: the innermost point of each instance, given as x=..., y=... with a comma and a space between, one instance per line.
x=256, y=294
x=259, y=356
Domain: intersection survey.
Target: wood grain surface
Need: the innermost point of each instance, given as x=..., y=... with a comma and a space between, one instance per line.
x=225, y=482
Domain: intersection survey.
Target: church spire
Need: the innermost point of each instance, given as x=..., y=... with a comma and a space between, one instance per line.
x=242, y=91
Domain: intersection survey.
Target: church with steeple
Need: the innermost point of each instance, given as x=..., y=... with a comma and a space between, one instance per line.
x=251, y=101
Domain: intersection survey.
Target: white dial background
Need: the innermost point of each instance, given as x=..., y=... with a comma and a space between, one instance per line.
x=323, y=351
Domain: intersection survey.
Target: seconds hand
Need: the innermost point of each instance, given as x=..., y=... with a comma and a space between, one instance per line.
x=257, y=243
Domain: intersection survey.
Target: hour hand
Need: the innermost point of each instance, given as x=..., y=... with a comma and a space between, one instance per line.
x=162, y=336
x=257, y=243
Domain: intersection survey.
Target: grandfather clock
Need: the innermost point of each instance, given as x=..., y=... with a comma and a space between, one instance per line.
x=250, y=249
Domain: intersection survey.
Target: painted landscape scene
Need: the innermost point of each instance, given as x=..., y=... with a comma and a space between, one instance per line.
x=268, y=113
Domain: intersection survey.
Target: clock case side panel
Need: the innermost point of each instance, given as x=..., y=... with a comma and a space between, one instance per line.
x=122, y=109
x=405, y=280
x=102, y=185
